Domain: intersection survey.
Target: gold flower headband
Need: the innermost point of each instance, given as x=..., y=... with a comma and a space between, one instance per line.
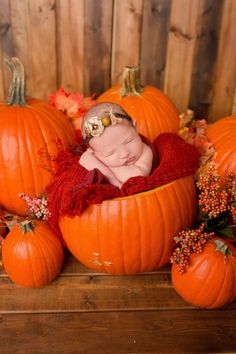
x=94, y=126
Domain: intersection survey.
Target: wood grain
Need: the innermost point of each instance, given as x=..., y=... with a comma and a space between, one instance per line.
x=86, y=312
x=41, y=34
x=234, y=104
x=98, y=37
x=6, y=47
x=92, y=293
x=119, y=332
x=180, y=53
x=126, y=40
x=186, y=48
x=70, y=44
x=225, y=74
x=205, y=54
x=155, y=26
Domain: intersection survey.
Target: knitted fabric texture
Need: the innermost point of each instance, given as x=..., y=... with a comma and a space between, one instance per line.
x=73, y=188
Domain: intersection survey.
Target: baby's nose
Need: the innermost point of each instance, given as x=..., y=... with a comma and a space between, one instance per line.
x=123, y=154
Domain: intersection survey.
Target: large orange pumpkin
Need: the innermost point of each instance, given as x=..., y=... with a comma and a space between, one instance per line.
x=32, y=255
x=222, y=134
x=26, y=128
x=210, y=278
x=152, y=109
x=131, y=234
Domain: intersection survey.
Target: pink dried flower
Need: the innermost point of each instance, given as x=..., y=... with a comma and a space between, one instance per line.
x=37, y=207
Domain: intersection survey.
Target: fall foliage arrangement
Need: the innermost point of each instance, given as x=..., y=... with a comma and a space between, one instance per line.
x=198, y=243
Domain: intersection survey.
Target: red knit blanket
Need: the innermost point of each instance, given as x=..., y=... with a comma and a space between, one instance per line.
x=73, y=188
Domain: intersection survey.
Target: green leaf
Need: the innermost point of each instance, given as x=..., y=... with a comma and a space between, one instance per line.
x=227, y=232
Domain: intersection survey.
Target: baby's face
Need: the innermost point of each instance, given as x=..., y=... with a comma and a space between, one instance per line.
x=118, y=145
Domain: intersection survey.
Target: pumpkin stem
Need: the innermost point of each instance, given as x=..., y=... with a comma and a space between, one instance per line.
x=27, y=226
x=17, y=88
x=222, y=247
x=131, y=81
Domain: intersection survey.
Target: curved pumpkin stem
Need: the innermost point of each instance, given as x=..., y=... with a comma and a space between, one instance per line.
x=131, y=81
x=222, y=247
x=17, y=88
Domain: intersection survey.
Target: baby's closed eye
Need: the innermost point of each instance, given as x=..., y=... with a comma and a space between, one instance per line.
x=106, y=154
x=129, y=141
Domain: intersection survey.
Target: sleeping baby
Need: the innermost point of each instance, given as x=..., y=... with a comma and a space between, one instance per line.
x=115, y=147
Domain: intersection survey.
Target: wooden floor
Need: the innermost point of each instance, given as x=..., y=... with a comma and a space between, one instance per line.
x=88, y=312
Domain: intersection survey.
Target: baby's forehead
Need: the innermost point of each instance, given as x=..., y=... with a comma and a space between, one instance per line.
x=113, y=136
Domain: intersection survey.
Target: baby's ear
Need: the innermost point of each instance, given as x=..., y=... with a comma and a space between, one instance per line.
x=135, y=124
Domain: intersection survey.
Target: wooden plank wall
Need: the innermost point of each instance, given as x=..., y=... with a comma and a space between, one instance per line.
x=187, y=48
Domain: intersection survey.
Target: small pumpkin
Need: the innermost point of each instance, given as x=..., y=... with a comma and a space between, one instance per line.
x=151, y=108
x=132, y=234
x=222, y=134
x=32, y=255
x=210, y=278
x=26, y=128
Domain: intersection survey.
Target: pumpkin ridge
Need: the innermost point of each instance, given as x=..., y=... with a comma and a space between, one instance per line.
x=224, y=158
x=223, y=137
x=27, y=150
x=19, y=157
x=44, y=143
x=100, y=250
x=214, y=302
x=54, y=118
x=162, y=254
x=160, y=111
x=145, y=217
x=123, y=253
x=180, y=215
x=213, y=270
x=52, y=251
x=166, y=105
x=137, y=212
x=31, y=267
x=160, y=123
x=40, y=251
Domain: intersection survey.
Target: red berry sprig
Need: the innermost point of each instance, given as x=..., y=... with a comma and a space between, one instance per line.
x=189, y=241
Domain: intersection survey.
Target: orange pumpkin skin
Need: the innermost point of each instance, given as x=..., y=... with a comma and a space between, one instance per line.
x=32, y=259
x=222, y=134
x=210, y=278
x=133, y=234
x=152, y=109
x=24, y=131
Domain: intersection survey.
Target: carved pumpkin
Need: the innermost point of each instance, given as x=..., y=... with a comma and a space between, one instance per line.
x=222, y=134
x=26, y=128
x=210, y=278
x=32, y=255
x=131, y=234
x=152, y=109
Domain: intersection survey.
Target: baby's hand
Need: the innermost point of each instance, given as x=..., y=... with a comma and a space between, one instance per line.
x=89, y=161
x=142, y=167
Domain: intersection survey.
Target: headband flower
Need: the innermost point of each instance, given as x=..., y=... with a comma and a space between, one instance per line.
x=94, y=126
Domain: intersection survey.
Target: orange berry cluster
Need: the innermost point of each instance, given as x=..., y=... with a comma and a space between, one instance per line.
x=213, y=198
x=189, y=241
x=231, y=188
